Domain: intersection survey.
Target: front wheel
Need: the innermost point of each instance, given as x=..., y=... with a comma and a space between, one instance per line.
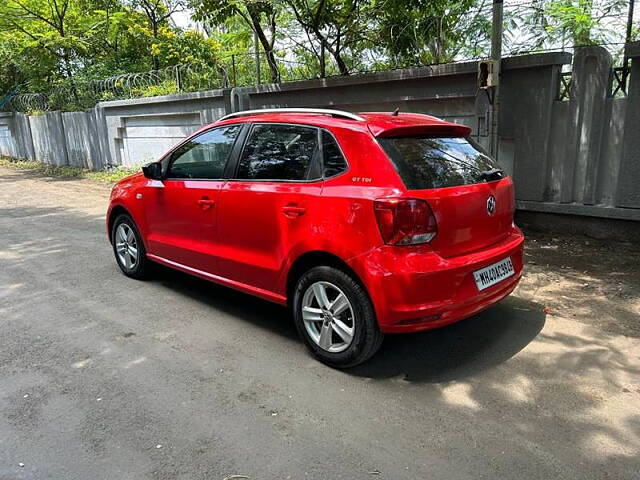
x=128, y=247
x=335, y=317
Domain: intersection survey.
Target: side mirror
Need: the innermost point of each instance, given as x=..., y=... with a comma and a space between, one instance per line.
x=153, y=171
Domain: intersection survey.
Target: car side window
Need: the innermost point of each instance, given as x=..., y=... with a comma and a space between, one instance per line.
x=279, y=152
x=333, y=160
x=204, y=156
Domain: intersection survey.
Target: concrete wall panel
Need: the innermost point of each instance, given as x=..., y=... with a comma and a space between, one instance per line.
x=182, y=113
x=611, y=151
x=589, y=84
x=527, y=96
x=578, y=156
x=143, y=139
x=49, y=141
x=556, y=152
x=7, y=143
x=628, y=194
x=80, y=143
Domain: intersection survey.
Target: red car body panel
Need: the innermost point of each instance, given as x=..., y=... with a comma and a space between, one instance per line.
x=248, y=234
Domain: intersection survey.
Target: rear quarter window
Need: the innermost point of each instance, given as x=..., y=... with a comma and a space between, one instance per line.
x=333, y=160
x=434, y=162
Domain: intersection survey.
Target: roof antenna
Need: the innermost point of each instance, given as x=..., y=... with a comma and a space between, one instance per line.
x=395, y=112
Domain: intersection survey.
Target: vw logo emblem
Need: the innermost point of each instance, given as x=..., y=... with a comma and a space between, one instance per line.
x=491, y=205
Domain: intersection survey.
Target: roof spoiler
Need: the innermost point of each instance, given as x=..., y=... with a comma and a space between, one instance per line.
x=452, y=129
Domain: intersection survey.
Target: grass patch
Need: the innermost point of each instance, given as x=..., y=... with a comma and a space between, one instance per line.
x=107, y=175
x=111, y=174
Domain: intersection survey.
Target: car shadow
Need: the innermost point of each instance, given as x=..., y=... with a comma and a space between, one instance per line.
x=459, y=350
x=453, y=352
x=261, y=313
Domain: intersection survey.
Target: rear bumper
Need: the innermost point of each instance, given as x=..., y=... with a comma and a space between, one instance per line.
x=414, y=290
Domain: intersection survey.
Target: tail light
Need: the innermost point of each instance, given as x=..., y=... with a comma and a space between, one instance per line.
x=405, y=221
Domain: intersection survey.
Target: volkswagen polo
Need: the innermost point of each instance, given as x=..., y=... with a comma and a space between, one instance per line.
x=363, y=224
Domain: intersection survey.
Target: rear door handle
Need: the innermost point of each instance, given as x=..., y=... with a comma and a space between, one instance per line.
x=205, y=203
x=293, y=211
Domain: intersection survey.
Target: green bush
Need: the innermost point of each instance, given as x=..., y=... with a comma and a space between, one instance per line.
x=167, y=87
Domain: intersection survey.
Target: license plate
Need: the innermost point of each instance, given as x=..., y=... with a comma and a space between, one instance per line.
x=487, y=276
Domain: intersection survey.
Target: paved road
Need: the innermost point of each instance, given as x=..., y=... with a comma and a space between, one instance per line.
x=102, y=377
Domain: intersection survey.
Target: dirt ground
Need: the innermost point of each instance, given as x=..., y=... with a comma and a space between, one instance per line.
x=176, y=378
x=592, y=281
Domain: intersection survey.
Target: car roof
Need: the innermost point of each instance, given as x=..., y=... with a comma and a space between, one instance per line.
x=380, y=124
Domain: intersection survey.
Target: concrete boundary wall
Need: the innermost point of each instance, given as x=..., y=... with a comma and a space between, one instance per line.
x=578, y=156
x=7, y=142
x=49, y=141
x=140, y=130
x=83, y=149
x=15, y=136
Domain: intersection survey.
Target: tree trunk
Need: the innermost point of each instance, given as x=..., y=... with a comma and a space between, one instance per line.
x=323, y=63
x=273, y=66
x=154, y=57
x=267, y=47
x=342, y=67
x=69, y=73
x=336, y=54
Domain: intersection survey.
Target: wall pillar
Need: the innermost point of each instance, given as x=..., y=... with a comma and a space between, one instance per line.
x=628, y=191
x=587, y=104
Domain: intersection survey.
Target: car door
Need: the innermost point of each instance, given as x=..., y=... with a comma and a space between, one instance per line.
x=268, y=206
x=180, y=210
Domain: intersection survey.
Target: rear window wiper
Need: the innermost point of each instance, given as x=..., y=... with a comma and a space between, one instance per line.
x=492, y=174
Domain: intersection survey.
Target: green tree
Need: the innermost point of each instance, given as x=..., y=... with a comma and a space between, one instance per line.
x=567, y=23
x=583, y=20
x=25, y=62
x=340, y=26
x=260, y=16
x=430, y=31
x=158, y=13
x=54, y=26
x=47, y=42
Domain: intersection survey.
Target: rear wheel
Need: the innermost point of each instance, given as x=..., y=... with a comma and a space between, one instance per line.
x=335, y=317
x=128, y=247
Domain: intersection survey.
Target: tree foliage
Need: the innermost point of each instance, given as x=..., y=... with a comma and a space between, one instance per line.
x=46, y=43
x=261, y=16
x=566, y=23
x=432, y=31
x=50, y=43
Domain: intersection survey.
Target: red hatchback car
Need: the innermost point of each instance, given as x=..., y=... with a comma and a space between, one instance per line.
x=363, y=224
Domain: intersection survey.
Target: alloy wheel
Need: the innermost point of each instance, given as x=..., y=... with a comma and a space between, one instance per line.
x=328, y=317
x=126, y=246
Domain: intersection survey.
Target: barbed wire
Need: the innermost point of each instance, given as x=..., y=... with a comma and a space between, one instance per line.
x=28, y=102
x=169, y=80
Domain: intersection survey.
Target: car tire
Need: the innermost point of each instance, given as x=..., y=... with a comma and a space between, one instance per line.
x=126, y=239
x=357, y=319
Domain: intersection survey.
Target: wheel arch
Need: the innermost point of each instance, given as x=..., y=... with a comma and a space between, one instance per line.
x=113, y=214
x=317, y=258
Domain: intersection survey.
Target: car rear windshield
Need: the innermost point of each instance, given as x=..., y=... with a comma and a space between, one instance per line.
x=433, y=162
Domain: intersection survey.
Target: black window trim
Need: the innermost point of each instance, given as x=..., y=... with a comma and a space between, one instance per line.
x=344, y=157
x=167, y=160
x=233, y=176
